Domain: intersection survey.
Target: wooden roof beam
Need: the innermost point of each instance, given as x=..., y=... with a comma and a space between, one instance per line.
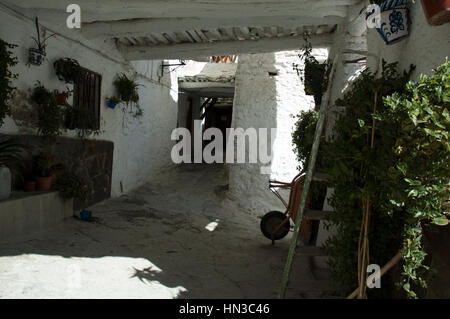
x=194, y=50
x=142, y=27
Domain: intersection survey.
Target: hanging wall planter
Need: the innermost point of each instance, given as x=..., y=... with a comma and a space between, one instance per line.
x=43, y=165
x=437, y=11
x=67, y=70
x=112, y=102
x=394, y=21
x=37, y=55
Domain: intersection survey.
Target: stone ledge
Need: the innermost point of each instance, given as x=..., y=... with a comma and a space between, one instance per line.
x=26, y=213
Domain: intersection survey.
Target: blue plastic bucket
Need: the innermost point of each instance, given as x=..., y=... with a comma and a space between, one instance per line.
x=86, y=215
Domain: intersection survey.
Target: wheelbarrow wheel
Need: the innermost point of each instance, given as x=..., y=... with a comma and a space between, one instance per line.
x=271, y=221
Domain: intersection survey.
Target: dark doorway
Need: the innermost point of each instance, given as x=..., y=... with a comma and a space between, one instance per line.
x=218, y=113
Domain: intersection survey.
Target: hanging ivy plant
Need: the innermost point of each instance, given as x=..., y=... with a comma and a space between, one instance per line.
x=7, y=60
x=127, y=90
x=315, y=74
x=49, y=113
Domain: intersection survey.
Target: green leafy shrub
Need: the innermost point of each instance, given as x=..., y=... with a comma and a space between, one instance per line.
x=421, y=122
x=302, y=139
x=70, y=186
x=49, y=113
x=406, y=175
x=358, y=171
x=7, y=60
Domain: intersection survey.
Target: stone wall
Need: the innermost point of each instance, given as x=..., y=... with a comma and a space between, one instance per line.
x=90, y=160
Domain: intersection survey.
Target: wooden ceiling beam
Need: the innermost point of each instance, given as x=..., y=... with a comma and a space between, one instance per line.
x=142, y=27
x=194, y=50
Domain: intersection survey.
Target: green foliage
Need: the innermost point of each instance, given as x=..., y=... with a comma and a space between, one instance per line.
x=420, y=118
x=315, y=74
x=127, y=88
x=7, y=60
x=405, y=175
x=49, y=113
x=41, y=43
x=67, y=70
x=358, y=171
x=128, y=92
x=302, y=139
x=316, y=78
x=303, y=136
x=43, y=164
x=70, y=186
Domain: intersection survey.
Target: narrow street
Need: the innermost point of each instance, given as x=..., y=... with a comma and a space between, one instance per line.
x=186, y=239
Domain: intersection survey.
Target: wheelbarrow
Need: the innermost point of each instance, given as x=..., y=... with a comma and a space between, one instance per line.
x=275, y=225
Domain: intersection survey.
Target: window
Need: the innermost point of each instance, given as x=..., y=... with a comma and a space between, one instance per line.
x=86, y=100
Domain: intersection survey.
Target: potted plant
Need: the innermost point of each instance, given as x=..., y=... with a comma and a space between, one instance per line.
x=127, y=89
x=112, y=102
x=61, y=97
x=67, y=70
x=436, y=11
x=44, y=164
x=57, y=171
x=11, y=158
x=36, y=55
x=49, y=113
x=7, y=60
x=70, y=186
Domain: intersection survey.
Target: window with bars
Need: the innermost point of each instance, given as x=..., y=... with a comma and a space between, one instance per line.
x=86, y=100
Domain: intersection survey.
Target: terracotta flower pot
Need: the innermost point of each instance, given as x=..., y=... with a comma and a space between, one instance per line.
x=61, y=98
x=437, y=11
x=44, y=183
x=56, y=172
x=29, y=186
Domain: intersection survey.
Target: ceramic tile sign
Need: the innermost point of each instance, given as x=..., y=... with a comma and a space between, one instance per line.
x=394, y=24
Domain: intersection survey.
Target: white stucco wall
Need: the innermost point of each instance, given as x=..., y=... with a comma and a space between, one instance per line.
x=141, y=147
x=426, y=47
x=268, y=101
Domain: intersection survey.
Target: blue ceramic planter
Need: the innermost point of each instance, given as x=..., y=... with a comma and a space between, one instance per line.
x=36, y=56
x=86, y=215
x=111, y=104
x=394, y=21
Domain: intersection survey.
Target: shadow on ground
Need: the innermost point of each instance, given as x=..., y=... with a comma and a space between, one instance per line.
x=183, y=236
